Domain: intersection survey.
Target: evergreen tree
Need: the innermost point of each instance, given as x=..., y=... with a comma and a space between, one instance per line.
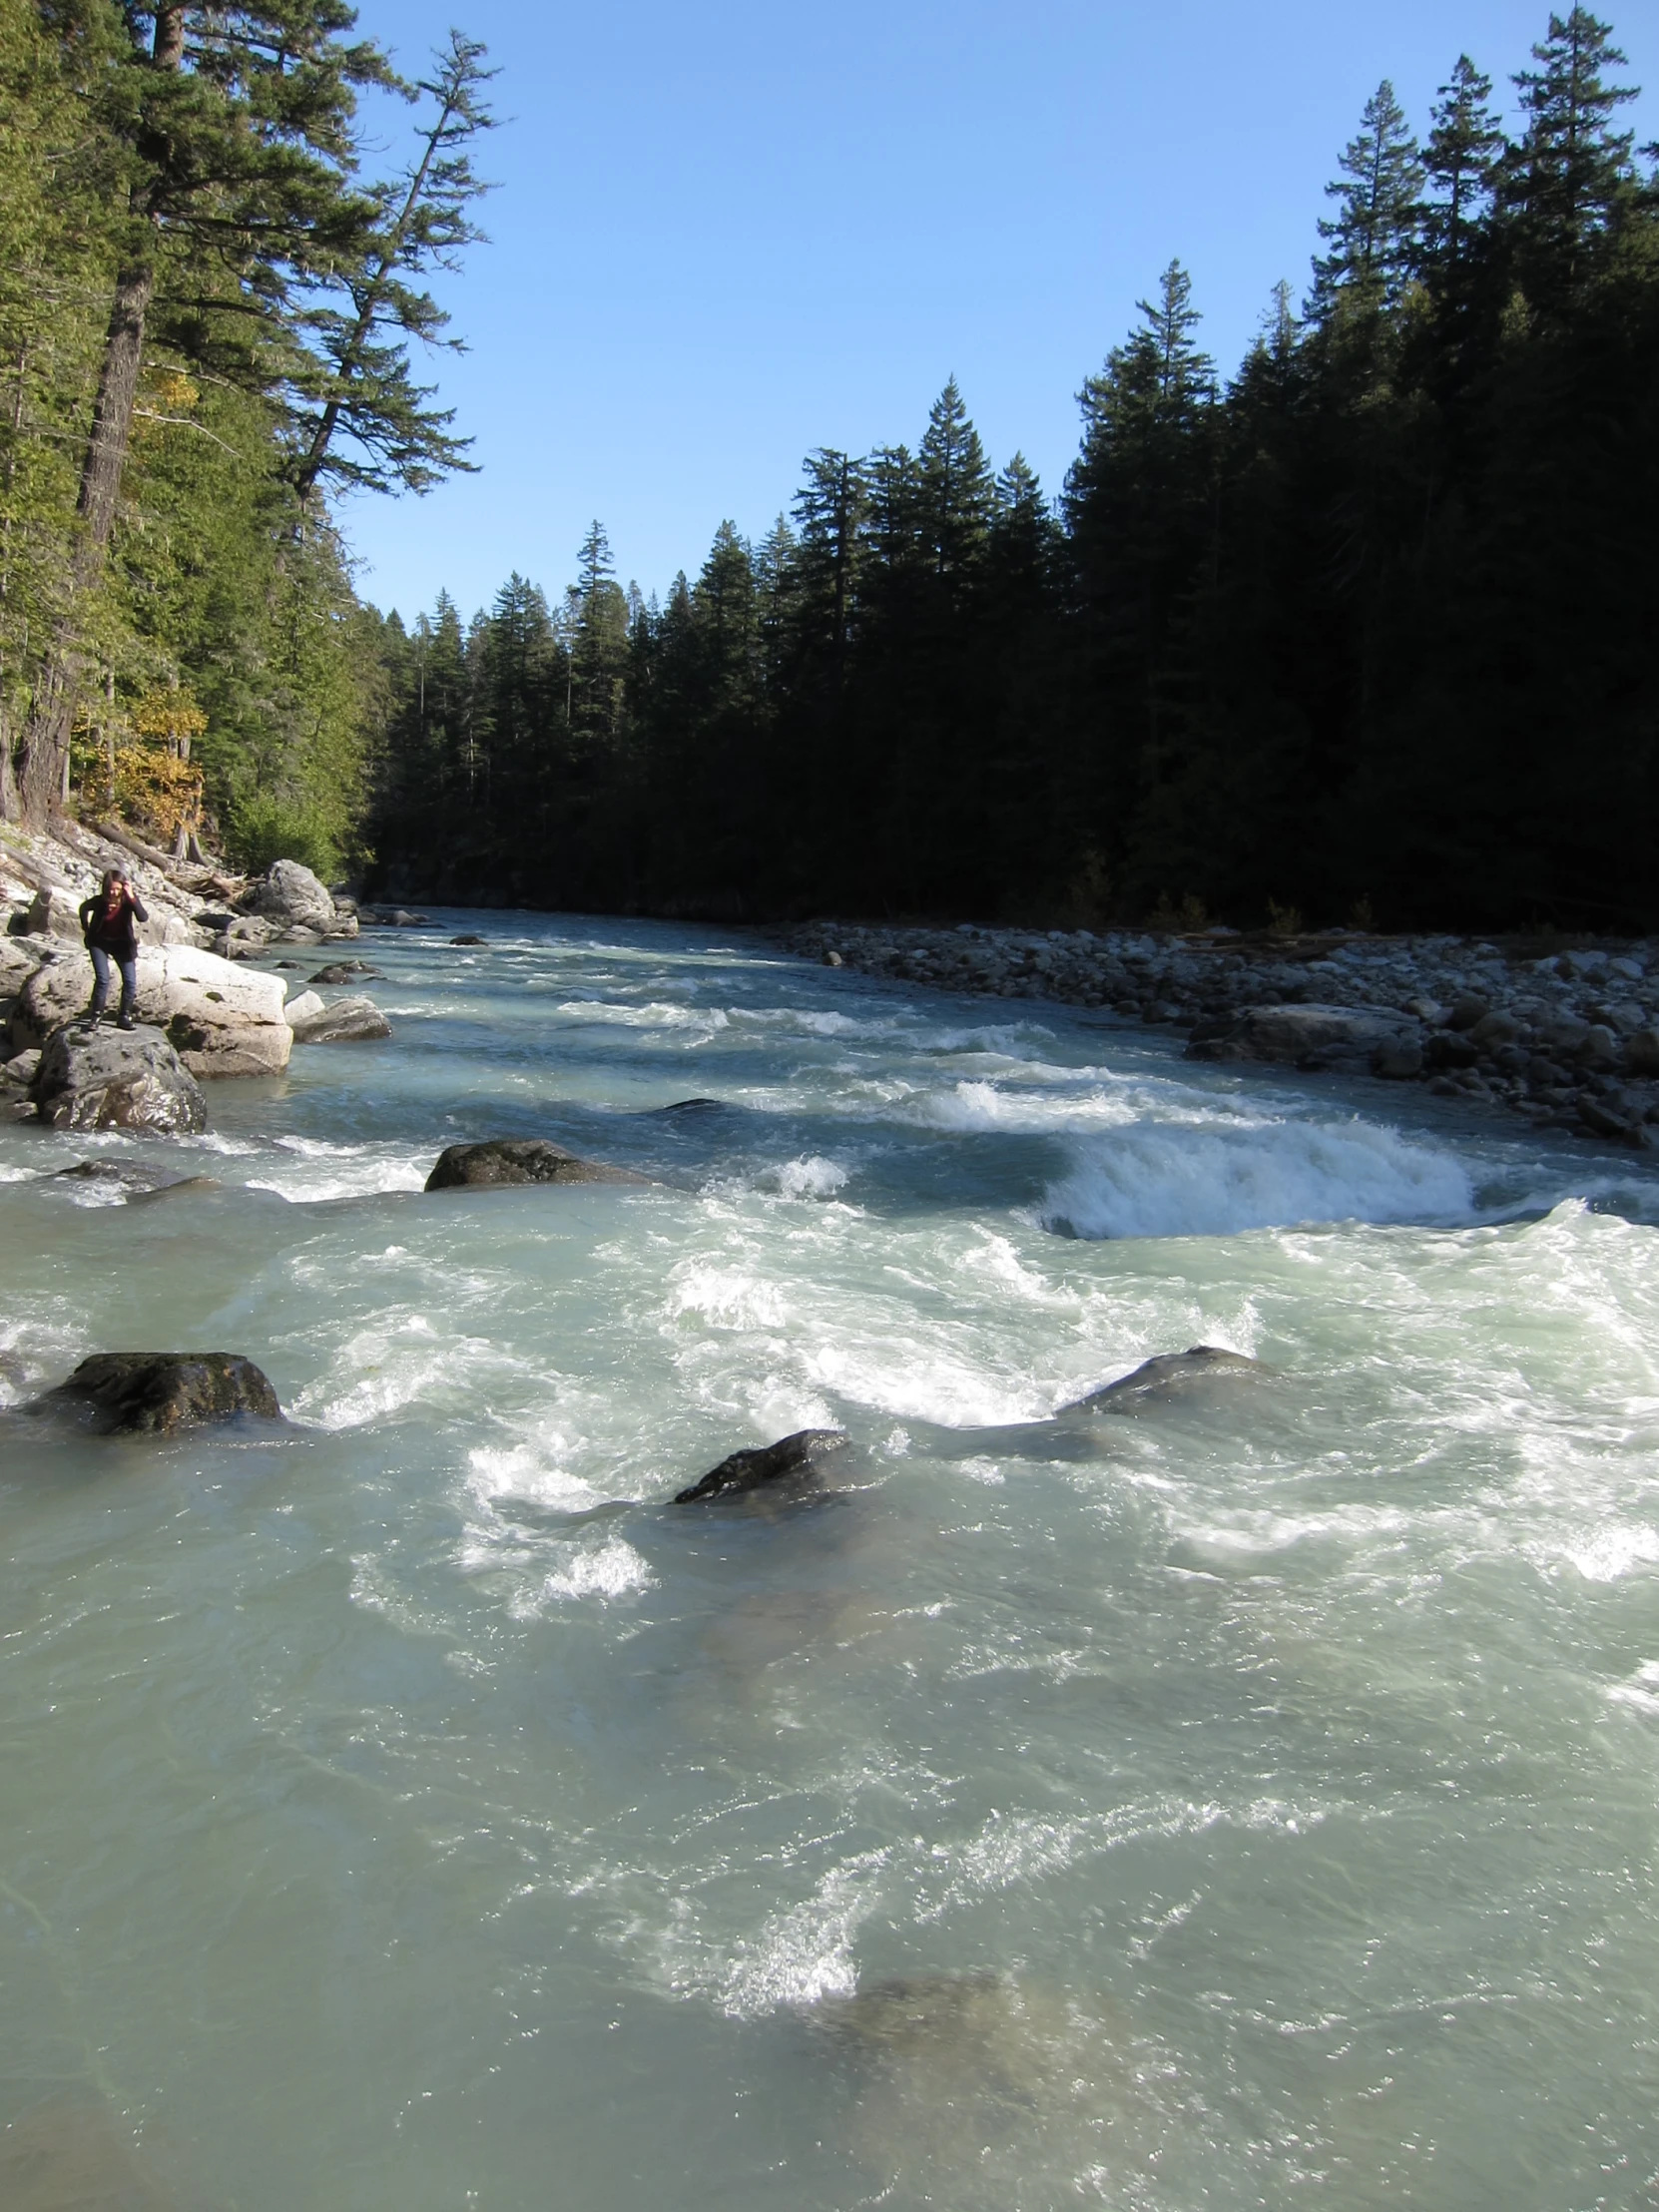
x=1460, y=162
x=365, y=395
x=830, y=511
x=1572, y=175
x=956, y=490
x=1373, y=236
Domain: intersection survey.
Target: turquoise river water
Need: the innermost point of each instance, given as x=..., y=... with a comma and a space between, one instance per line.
x=1247, y=1804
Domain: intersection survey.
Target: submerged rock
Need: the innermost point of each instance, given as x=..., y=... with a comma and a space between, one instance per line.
x=761, y=1463
x=135, y=1176
x=347, y=1021
x=1165, y=1379
x=158, y=1392
x=499, y=1161
x=470, y=938
x=343, y=971
x=116, y=1079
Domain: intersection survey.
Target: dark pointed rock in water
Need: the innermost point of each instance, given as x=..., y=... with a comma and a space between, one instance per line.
x=508, y=1160
x=158, y=1392
x=347, y=1021
x=1165, y=1379
x=693, y=1106
x=341, y=971
x=470, y=938
x=763, y=1463
x=116, y=1079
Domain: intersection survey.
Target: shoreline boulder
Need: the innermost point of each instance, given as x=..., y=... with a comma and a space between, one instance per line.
x=502, y=1161
x=1297, y=1036
x=290, y=897
x=760, y=1464
x=116, y=1079
x=159, y=1393
x=221, y=1019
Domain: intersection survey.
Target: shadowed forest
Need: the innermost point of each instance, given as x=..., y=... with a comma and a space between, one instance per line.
x=1367, y=628
x=1363, y=630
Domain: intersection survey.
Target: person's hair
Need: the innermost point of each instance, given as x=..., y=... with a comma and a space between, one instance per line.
x=112, y=877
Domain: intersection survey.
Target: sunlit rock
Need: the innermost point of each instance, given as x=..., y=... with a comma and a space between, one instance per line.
x=758, y=1465
x=158, y=1392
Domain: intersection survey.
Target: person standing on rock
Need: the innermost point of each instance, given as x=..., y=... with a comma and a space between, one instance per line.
x=107, y=919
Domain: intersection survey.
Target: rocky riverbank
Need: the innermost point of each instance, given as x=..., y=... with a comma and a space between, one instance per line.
x=1567, y=1035
x=203, y=1010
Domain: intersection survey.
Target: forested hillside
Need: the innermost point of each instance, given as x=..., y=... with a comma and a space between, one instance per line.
x=1371, y=628
x=1367, y=629
x=206, y=313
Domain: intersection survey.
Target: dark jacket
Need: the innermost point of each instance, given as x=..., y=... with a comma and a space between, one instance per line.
x=115, y=933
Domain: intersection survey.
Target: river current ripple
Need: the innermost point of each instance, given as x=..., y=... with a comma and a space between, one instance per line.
x=415, y=1810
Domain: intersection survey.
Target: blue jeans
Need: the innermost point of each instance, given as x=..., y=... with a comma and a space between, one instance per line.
x=101, y=964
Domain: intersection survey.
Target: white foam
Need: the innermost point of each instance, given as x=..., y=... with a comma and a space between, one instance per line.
x=810, y=1176
x=1609, y=1554
x=726, y=1296
x=1191, y=1179
x=804, y=1954
x=613, y=1569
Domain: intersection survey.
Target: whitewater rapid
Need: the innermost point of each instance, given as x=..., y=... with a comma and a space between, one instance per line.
x=413, y=1809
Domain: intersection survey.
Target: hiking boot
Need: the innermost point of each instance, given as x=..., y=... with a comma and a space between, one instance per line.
x=126, y=1022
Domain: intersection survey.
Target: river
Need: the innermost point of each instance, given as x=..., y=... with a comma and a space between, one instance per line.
x=414, y=1809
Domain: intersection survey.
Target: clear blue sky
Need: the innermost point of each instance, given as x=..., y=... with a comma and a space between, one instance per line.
x=727, y=233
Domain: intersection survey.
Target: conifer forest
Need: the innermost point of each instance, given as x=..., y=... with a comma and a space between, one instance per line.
x=1365, y=627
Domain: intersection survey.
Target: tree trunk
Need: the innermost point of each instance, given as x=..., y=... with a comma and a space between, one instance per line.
x=44, y=762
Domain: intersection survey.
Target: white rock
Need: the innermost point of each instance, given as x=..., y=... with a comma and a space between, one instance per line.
x=221, y=1019
x=292, y=897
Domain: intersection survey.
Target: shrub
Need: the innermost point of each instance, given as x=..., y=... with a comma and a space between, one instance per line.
x=264, y=828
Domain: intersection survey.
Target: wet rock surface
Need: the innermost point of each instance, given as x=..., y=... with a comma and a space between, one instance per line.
x=116, y=1079
x=343, y=971
x=798, y=1456
x=134, y=1177
x=159, y=1393
x=347, y=1021
x=499, y=1162
x=1167, y=1380
x=1568, y=1036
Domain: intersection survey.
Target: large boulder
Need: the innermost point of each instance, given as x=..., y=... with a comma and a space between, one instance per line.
x=54, y=912
x=1167, y=1380
x=507, y=1160
x=116, y=1079
x=291, y=898
x=1295, y=1036
x=222, y=1019
x=347, y=1021
x=750, y=1469
x=158, y=1392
